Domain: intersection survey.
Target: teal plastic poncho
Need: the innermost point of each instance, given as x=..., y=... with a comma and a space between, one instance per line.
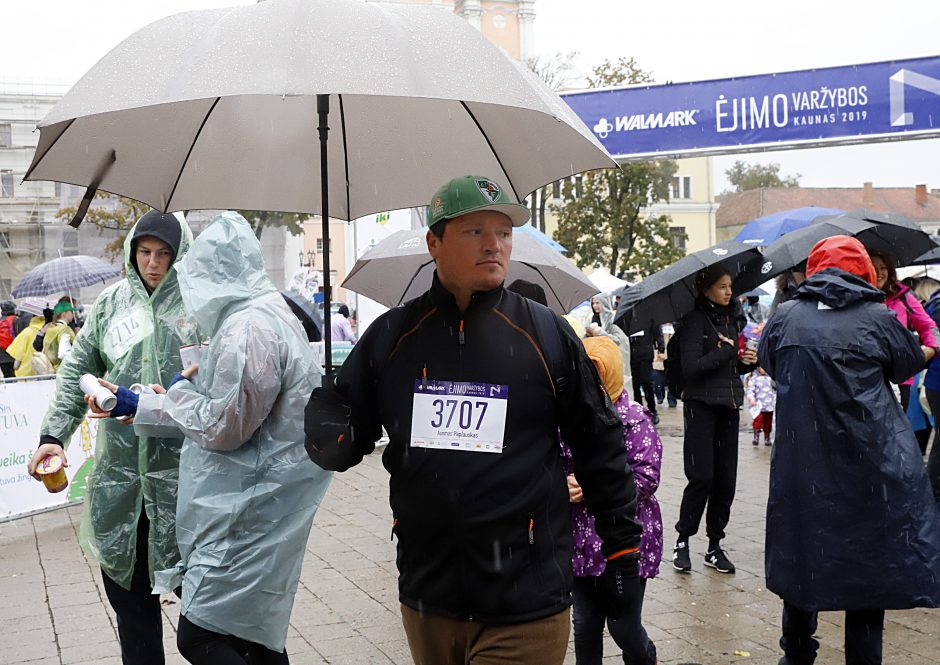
x=248, y=491
x=129, y=337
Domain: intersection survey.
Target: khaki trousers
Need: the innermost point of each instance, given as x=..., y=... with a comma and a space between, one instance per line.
x=437, y=640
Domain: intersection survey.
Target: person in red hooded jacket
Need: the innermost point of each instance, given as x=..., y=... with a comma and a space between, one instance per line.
x=851, y=522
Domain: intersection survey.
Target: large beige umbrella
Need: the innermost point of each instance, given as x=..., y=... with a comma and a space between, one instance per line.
x=224, y=108
x=400, y=268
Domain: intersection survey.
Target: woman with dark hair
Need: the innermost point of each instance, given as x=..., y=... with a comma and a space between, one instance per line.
x=711, y=397
x=909, y=311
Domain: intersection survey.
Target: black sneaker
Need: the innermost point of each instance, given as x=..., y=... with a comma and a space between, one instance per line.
x=717, y=560
x=680, y=558
x=655, y=418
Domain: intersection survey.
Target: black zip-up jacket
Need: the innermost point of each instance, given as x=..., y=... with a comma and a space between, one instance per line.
x=486, y=536
x=712, y=374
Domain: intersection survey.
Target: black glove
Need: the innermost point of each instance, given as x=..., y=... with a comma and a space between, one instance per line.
x=328, y=435
x=619, y=585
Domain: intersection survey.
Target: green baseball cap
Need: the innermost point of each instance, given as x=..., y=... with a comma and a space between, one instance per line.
x=62, y=307
x=469, y=193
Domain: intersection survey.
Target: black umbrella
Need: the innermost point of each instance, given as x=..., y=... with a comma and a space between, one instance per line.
x=669, y=294
x=893, y=235
x=309, y=317
x=931, y=257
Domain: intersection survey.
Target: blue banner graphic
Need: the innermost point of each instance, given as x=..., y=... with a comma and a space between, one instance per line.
x=858, y=103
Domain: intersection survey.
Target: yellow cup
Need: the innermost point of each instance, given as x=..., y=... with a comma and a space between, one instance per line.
x=52, y=472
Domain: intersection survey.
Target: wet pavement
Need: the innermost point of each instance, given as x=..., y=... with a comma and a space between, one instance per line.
x=53, y=608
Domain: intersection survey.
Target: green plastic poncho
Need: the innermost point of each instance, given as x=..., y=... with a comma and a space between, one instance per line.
x=129, y=337
x=248, y=492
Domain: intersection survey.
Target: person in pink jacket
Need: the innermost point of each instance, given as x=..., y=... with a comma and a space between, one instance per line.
x=909, y=311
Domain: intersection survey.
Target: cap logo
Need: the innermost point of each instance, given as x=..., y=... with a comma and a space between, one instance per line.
x=489, y=189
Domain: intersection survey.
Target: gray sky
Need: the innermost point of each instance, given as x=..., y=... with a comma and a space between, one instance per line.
x=681, y=40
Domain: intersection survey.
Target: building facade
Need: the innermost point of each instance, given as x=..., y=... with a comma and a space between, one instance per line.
x=692, y=206
x=917, y=202
x=509, y=24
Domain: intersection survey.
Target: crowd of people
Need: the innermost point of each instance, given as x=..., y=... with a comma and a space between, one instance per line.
x=523, y=471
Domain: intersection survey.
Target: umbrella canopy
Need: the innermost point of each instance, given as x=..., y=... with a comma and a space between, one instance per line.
x=224, y=113
x=543, y=238
x=63, y=274
x=400, y=268
x=309, y=317
x=931, y=257
x=764, y=230
x=669, y=294
x=35, y=305
x=605, y=282
x=894, y=235
x=228, y=110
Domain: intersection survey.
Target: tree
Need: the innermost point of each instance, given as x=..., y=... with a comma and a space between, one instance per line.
x=755, y=176
x=607, y=224
x=556, y=71
x=261, y=219
x=112, y=213
x=625, y=71
x=604, y=219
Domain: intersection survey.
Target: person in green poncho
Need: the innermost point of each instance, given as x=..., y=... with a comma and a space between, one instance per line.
x=132, y=335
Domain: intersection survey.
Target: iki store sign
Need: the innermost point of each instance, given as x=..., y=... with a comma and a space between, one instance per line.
x=860, y=103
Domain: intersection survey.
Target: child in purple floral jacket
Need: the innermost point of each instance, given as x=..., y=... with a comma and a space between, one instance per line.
x=645, y=455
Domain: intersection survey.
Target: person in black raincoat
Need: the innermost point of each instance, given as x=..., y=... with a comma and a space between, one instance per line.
x=851, y=523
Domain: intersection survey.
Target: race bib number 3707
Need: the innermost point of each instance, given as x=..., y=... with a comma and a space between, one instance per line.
x=459, y=416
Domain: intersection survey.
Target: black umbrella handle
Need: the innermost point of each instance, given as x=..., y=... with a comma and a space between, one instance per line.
x=323, y=113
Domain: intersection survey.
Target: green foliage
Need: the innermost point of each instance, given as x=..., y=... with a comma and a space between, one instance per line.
x=261, y=219
x=625, y=71
x=604, y=220
x=755, y=176
x=607, y=224
x=118, y=213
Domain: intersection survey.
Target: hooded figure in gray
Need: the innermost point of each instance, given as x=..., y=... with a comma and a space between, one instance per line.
x=247, y=491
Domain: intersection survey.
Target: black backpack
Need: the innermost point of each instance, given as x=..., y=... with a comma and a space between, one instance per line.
x=672, y=366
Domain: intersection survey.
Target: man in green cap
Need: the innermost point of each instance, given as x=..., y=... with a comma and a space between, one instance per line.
x=472, y=383
x=133, y=334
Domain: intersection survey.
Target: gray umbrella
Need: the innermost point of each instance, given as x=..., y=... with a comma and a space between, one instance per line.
x=223, y=108
x=399, y=268
x=62, y=274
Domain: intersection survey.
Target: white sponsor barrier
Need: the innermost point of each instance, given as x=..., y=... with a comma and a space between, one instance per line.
x=23, y=405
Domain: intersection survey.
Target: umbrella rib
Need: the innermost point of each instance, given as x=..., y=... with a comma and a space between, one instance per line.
x=190, y=152
x=51, y=146
x=342, y=122
x=414, y=276
x=544, y=279
x=492, y=150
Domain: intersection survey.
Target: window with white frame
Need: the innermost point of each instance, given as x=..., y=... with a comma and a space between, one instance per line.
x=678, y=236
x=682, y=187
x=6, y=135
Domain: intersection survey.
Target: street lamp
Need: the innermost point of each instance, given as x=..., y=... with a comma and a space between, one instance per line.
x=306, y=260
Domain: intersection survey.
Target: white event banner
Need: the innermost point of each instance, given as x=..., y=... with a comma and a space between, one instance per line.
x=23, y=406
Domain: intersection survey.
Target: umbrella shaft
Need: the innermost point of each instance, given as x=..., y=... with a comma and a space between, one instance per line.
x=323, y=113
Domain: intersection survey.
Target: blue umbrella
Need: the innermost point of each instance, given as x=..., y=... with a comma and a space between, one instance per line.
x=62, y=274
x=530, y=230
x=764, y=230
